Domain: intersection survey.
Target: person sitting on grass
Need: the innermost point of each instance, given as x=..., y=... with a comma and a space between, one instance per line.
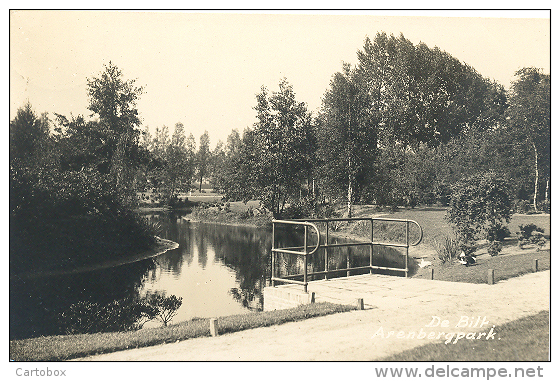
x=466, y=260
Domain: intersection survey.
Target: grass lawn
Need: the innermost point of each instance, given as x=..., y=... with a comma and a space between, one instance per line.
x=525, y=339
x=436, y=228
x=504, y=266
x=66, y=347
x=512, y=261
x=230, y=213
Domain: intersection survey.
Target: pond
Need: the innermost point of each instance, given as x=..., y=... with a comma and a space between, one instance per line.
x=218, y=270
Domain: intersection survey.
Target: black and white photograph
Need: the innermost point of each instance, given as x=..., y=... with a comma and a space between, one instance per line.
x=365, y=186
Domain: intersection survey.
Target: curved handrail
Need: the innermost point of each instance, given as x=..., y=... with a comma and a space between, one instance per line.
x=421, y=233
x=307, y=224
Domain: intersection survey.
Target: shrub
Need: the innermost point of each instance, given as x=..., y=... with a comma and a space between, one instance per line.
x=526, y=231
x=448, y=250
x=530, y=234
x=479, y=203
x=494, y=248
x=162, y=307
x=119, y=315
x=90, y=317
x=523, y=207
x=544, y=206
x=497, y=233
x=63, y=219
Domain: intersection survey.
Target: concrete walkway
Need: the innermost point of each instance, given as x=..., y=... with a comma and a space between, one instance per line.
x=392, y=304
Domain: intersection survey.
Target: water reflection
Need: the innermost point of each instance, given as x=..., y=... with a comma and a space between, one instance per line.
x=36, y=304
x=217, y=269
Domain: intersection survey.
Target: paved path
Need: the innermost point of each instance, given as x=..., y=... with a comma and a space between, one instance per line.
x=392, y=304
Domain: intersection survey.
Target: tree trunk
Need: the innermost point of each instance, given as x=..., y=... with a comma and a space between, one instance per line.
x=536, y=177
x=546, y=190
x=314, y=195
x=283, y=204
x=350, y=194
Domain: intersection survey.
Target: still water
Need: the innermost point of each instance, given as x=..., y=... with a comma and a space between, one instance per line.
x=218, y=270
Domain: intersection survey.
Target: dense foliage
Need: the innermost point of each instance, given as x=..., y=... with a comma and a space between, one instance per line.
x=529, y=116
x=480, y=204
x=118, y=315
x=171, y=162
x=402, y=127
x=70, y=191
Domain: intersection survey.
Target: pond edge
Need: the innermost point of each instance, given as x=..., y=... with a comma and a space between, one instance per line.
x=163, y=246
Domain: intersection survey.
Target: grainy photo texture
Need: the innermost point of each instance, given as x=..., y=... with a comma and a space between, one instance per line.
x=280, y=186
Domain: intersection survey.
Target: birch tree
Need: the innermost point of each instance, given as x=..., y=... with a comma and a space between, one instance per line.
x=347, y=137
x=529, y=116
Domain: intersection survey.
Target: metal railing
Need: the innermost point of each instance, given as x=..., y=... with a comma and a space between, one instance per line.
x=307, y=250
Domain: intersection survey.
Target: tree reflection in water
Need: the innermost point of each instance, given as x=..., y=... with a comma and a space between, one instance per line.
x=245, y=250
x=227, y=277
x=36, y=304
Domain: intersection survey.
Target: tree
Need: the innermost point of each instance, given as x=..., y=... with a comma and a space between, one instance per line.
x=70, y=211
x=179, y=162
x=113, y=101
x=171, y=164
x=421, y=94
x=217, y=163
x=529, y=116
x=203, y=157
x=234, y=178
x=479, y=203
x=283, y=147
x=29, y=136
x=163, y=307
x=346, y=137
x=420, y=98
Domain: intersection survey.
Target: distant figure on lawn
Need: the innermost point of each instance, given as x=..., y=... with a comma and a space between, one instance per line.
x=465, y=259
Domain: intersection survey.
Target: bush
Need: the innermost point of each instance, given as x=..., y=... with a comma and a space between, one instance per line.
x=523, y=207
x=497, y=233
x=544, y=206
x=530, y=234
x=494, y=248
x=526, y=231
x=448, y=250
x=296, y=210
x=89, y=317
x=478, y=204
x=308, y=208
x=63, y=219
x=119, y=315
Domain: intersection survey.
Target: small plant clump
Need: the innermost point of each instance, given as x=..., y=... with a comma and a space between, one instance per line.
x=530, y=234
x=448, y=250
x=497, y=233
x=494, y=248
x=126, y=314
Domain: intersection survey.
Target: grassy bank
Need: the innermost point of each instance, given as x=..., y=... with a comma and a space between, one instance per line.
x=161, y=246
x=231, y=213
x=66, y=347
x=504, y=266
x=525, y=339
x=511, y=262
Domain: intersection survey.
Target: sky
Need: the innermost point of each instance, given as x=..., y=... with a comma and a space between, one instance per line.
x=203, y=69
